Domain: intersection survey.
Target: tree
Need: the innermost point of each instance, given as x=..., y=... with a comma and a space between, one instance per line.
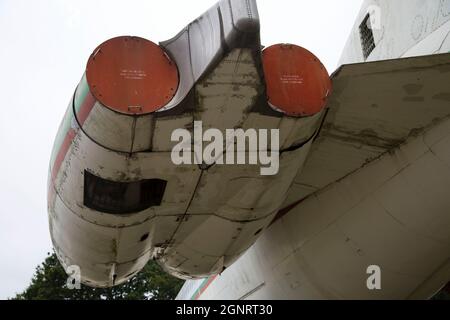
x=49, y=283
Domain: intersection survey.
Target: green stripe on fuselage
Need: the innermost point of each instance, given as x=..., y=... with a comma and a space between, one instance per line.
x=80, y=96
x=200, y=288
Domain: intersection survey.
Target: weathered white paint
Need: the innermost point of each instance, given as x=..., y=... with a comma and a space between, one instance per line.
x=381, y=199
x=392, y=212
x=209, y=216
x=405, y=25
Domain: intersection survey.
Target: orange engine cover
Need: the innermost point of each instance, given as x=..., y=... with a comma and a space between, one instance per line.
x=132, y=75
x=297, y=82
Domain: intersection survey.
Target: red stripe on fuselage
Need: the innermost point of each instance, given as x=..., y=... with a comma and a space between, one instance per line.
x=83, y=114
x=62, y=152
x=86, y=108
x=210, y=280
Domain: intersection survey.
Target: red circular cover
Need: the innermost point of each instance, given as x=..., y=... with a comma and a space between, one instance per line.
x=132, y=75
x=297, y=82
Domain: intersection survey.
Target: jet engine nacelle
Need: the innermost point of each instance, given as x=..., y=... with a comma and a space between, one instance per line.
x=116, y=199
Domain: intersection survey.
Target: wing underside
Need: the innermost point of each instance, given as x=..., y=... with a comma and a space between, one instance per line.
x=375, y=107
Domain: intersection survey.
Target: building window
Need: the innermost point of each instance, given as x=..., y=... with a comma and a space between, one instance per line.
x=366, y=34
x=122, y=197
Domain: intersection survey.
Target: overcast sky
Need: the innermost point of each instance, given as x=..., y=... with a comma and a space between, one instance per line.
x=43, y=51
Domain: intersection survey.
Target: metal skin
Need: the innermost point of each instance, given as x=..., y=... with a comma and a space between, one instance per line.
x=112, y=134
x=375, y=186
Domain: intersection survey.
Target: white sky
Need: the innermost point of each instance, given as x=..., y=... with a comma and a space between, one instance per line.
x=44, y=47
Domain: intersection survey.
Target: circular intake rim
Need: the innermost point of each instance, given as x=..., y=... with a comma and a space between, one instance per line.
x=132, y=75
x=297, y=82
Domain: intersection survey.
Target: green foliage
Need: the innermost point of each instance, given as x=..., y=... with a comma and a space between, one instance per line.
x=49, y=283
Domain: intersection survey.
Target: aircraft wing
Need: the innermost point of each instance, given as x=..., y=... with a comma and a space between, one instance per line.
x=374, y=108
x=383, y=151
